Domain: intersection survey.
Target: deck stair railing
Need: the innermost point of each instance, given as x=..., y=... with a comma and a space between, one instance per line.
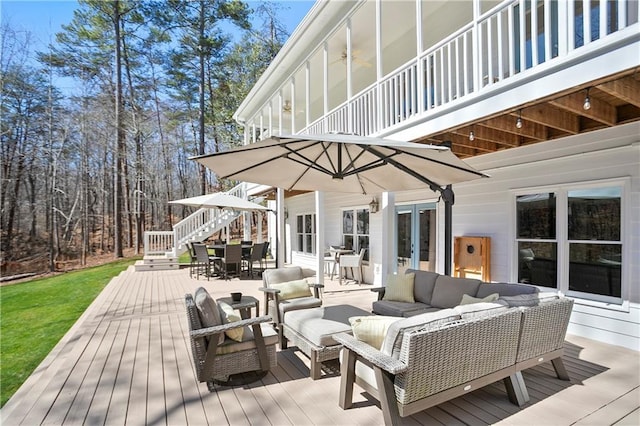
x=198, y=226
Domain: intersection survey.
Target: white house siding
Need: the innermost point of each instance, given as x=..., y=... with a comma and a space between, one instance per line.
x=486, y=208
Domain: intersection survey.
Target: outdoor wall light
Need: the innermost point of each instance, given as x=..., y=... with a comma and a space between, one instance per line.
x=519, y=120
x=587, y=101
x=472, y=136
x=373, y=205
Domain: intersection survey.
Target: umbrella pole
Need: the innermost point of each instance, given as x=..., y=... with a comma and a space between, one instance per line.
x=448, y=197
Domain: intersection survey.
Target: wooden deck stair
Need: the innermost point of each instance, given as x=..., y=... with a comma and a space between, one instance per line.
x=157, y=263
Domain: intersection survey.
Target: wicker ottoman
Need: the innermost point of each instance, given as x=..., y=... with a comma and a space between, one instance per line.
x=312, y=330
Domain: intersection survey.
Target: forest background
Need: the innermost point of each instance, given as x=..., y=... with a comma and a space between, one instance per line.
x=85, y=174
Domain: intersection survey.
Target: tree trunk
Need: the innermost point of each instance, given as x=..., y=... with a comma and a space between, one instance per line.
x=120, y=138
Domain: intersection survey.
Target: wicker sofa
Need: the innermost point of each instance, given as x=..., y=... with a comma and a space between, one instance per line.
x=437, y=355
x=432, y=292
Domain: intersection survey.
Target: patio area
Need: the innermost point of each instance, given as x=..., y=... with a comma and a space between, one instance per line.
x=128, y=361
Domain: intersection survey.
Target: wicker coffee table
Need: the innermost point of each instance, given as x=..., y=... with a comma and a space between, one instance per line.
x=312, y=330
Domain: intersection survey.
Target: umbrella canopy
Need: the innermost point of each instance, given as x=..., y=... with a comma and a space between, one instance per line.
x=341, y=163
x=220, y=200
x=346, y=163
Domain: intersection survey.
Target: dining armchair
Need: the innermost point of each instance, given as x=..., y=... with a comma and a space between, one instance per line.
x=254, y=256
x=352, y=261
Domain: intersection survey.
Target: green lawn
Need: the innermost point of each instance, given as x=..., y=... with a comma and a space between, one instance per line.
x=36, y=314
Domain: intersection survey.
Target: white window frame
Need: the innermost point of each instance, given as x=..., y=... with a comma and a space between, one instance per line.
x=354, y=234
x=312, y=234
x=561, y=191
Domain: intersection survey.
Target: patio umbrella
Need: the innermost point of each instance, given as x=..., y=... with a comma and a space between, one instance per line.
x=220, y=200
x=346, y=163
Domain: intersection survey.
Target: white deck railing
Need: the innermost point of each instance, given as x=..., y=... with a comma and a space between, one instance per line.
x=508, y=40
x=195, y=227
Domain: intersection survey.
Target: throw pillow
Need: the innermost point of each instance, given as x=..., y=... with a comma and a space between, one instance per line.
x=293, y=289
x=400, y=288
x=371, y=329
x=467, y=300
x=230, y=315
x=208, y=310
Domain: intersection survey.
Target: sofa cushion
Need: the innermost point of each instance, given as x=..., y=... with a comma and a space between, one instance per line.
x=230, y=315
x=505, y=289
x=448, y=291
x=371, y=329
x=208, y=310
x=480, y=310
x=423, y=285
x=393, y=341
x=293, y=289
x=532, y=299
x=399, y=288
x=468, y=300
x=398, y=309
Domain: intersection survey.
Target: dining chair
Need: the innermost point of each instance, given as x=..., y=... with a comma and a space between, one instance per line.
x=265, y=252
x=254, y=256
x=206, y=262
x=232, y=256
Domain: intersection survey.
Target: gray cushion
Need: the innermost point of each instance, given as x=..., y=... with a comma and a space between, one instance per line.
x=448, y=291
x=397, y=309
x=423, y=285
x=393, y=341
x=208, y=310
x=505, y=289
x=318, y=325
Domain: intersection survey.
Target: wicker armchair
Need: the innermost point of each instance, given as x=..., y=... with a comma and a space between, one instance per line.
x=218, y=358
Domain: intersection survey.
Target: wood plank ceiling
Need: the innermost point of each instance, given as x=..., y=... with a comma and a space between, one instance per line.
x=614, y=101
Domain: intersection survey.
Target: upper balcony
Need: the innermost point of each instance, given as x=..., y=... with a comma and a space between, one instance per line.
x=485, y=75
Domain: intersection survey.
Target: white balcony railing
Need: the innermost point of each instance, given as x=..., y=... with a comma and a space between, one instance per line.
x=508, y=40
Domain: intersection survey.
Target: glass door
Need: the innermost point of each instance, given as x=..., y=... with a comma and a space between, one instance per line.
x=415, y=230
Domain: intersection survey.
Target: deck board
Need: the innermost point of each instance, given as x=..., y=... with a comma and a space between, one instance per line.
x=128, y=361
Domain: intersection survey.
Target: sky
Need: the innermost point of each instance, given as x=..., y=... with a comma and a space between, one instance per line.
x=44, y=18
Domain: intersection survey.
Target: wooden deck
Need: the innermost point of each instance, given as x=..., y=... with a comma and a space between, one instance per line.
x=128, y=361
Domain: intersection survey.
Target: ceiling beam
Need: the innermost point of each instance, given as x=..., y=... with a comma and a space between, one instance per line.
x=626, y=88
x=552, y=117
x=600, y=111
x=529, y=129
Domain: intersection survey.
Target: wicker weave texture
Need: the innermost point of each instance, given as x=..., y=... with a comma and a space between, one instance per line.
x=455, y=354
x=223, y=365
x=544, y=328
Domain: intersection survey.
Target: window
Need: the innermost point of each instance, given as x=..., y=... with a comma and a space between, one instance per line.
x=355, y=230
x=571, y=240
x=306, y=233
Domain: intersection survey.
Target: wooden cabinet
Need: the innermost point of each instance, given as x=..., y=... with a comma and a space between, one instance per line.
x=472, y=258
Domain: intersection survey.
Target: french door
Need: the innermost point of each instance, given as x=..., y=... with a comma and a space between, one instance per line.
x=416, y=231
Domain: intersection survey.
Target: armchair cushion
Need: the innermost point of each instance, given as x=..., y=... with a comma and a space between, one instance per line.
x=247, y=342
x=532, y=299
x=468, y=300
x=208, y=311
x=400, y=288
x=230, y=315
x=480, y=310
x=371, y=329
x=293, y=289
